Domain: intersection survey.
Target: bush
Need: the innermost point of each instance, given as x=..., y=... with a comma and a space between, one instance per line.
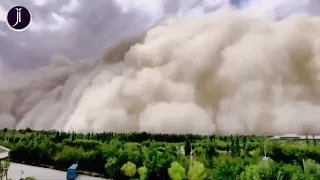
x=30, y=178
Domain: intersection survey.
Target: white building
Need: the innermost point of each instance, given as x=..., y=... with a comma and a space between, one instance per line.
x=4, y=152
x=295, y=137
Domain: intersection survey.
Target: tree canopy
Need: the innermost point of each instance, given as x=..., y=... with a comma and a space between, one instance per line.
x=163, y=156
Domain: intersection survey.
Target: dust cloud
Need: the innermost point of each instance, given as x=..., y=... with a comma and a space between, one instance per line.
x=225, y=73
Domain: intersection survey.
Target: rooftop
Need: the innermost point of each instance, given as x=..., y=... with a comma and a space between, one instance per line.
x=4, y=152
x=4, y=149
x=296, y=136
x=73, y=166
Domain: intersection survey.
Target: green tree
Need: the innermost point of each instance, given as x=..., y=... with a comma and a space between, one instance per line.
x=264, y=170
x=111, y=167
x=143, y=173
x=227, y=167
x=68, y=155
x=197, y=171
x=4, y=166
x=129, y=169
x=291, y=171
x=176, y=171
x=312, y=170
x=187, y=147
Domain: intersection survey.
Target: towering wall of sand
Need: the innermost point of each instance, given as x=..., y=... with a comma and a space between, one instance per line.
x=226, y=72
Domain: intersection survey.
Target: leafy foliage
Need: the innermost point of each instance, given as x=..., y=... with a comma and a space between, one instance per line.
x=162, y=156
x=143, y=173
x=129, y=169
x=30, y=178
x=197, y=171
x=176, y=171
x=4, y=165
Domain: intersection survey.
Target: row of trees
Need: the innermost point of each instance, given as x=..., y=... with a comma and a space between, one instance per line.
x=156, y=156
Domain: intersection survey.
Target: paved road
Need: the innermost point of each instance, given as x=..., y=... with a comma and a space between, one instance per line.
x=41, y=173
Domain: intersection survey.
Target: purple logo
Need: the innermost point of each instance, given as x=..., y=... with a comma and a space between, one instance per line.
x=18, y=18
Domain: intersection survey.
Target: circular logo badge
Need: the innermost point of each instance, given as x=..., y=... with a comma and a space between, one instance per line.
x=18, y=18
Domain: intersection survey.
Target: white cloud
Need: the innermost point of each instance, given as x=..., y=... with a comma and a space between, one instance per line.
x=72, y=6
x=82, y=29
x=35, y=27
x=3, y=13
x=3, y=33
x=56, y=23
x=153, y=8
x=40, y=2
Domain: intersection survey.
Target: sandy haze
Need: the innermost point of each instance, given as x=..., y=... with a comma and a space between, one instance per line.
x=226, y=72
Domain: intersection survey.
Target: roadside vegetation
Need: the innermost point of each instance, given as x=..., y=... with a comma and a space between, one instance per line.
x=158, y=157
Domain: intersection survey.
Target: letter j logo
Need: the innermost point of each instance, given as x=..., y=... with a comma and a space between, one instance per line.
x=18, y=18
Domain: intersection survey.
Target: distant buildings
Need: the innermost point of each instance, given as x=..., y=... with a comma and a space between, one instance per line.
x=295, y=137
